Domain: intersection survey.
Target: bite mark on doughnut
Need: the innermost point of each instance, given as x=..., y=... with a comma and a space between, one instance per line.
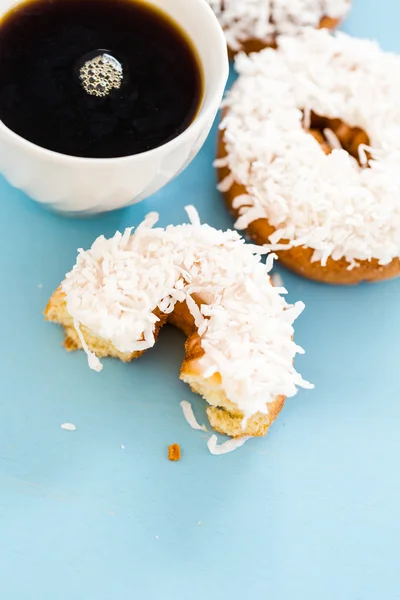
x=223, y=414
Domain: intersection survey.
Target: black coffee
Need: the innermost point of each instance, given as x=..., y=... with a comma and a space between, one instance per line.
x=96, y=78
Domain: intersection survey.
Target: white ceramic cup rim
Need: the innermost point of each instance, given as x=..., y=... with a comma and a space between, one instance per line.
x=197, y=123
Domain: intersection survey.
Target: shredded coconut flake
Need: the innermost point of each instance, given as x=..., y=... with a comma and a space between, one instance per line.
x=189, y=416
x=93, y=361
x=332, y=139
x=119, y=287
x=68, y=426
x=326, y=202
x=278, y=281
x=244, y=20
x=225, y=447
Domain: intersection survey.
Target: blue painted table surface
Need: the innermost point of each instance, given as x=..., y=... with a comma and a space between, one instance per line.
x=310, y=512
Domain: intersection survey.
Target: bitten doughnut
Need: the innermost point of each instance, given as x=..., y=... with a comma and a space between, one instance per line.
x=309, y=155
x=251, y=25
x=239, y=350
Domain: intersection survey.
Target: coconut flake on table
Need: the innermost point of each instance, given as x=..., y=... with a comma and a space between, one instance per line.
x=189, y=416
x=68, y=426
x=326, y=202
x=225, y=447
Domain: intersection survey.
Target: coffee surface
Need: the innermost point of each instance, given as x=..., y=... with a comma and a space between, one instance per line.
x=96, y=78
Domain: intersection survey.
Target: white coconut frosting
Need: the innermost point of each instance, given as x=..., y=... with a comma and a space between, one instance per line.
x=244, y=20
x=326, y=202
x=245, y=325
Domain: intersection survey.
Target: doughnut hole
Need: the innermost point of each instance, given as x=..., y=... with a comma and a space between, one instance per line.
x=350, y=138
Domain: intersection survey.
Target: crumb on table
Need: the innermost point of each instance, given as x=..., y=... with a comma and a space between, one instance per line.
x=174, y=452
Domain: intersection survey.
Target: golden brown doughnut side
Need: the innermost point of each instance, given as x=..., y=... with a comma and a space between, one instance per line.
x=255, y=45
x=232, y=424
x=223, y=414
x=298, y=259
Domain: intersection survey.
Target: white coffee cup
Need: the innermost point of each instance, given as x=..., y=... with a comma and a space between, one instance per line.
x=88, y=185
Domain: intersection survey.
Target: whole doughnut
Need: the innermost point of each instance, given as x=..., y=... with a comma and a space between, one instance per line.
x=309, y=163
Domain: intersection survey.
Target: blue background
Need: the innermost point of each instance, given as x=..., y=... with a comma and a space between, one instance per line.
x=310, y=512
